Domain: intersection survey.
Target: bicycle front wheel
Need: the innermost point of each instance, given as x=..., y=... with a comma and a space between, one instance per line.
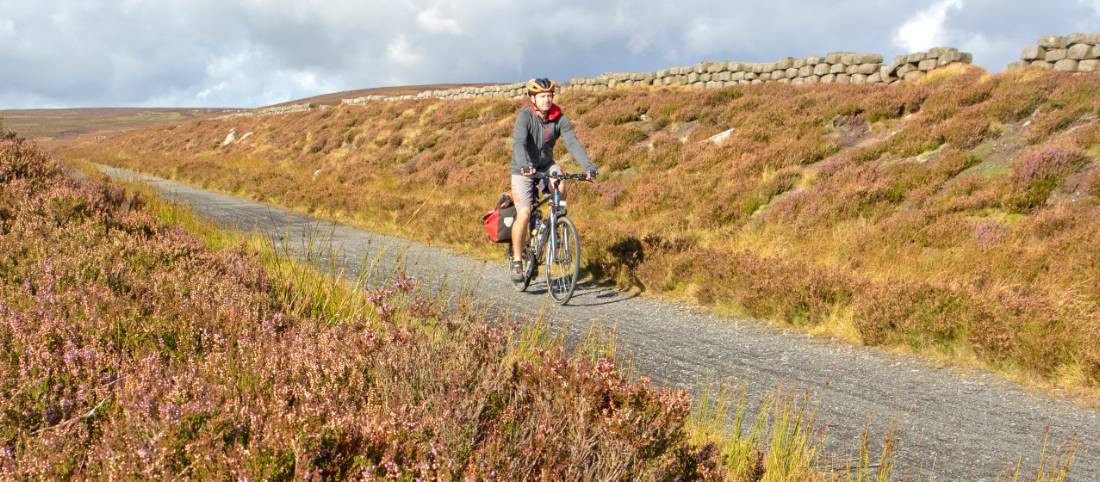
x=563, y=261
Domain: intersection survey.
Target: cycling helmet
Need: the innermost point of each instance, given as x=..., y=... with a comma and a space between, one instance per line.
x=540, y=85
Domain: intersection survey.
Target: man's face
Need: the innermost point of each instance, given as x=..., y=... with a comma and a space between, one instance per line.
x=543, y=101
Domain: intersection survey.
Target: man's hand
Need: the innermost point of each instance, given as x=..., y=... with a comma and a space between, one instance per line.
x=527, y=171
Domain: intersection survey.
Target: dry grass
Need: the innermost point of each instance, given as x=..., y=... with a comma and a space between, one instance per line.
x=956, y=217
x=138, y=342
x=54, y=127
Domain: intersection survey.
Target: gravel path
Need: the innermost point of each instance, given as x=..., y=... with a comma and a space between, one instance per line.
x=947, y=426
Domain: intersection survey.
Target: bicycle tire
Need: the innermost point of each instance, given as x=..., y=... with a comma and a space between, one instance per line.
x=563, y=263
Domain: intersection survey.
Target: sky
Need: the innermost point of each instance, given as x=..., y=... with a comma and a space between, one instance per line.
x=250, y=53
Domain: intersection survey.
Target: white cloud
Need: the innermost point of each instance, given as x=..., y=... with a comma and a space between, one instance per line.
x=400, y=51
x=992, y=48
x=244, y=53
x=205, y=94
x=701, y=33
x=306, y=81
x=1093, y=4
x=433, y=21
x=926, y=30
x=229, y=65
x=7, y=28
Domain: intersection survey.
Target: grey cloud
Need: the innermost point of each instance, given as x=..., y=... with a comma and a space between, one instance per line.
x=997, y=31
x=257, y=52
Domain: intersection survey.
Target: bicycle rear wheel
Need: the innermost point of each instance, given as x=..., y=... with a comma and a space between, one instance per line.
x=563, y=261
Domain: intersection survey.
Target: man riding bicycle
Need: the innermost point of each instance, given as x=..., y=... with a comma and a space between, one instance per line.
x=538, y=127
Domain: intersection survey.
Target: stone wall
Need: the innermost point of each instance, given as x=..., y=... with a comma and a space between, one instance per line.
x=1073, y=53
x=915, y=66
x=500, y=90
x=1070, y=53
x=282, y=109
x=836, y=67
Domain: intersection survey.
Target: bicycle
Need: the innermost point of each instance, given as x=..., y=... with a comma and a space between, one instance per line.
x=559, y=238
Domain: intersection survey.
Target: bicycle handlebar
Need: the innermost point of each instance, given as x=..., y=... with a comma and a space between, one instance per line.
x=564, y=177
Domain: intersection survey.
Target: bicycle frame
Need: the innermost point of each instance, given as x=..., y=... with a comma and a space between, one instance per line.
x=537, y=241
x=554, y=200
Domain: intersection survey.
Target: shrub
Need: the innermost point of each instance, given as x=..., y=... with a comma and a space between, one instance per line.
x=1037, y=172
x=1093, y=183
x=913, y=314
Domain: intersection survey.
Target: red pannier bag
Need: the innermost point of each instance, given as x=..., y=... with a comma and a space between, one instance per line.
x=498, y=222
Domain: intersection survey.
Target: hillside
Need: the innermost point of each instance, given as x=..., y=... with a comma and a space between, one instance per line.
x=55, y=127
x=52, y=126
x=956, y=216
x=139, y=343
x=335, y=97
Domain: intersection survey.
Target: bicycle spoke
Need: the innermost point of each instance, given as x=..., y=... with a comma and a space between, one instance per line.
x=563, y=262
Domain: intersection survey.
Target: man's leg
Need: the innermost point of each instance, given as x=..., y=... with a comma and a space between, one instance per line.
x=558, y=184
x=519, y=232
x=523, y=190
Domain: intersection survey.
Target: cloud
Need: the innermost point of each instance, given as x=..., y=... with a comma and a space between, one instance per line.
x=926, y=30
x=433, y=21
x=206, y=93
x=245, y=53
x=1094, y=4
x=995, y=31
x=401, y=52
x=7, y=28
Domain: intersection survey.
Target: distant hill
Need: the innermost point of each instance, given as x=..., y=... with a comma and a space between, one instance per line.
x=51, y=126
x=336, y=97
x=54, y=127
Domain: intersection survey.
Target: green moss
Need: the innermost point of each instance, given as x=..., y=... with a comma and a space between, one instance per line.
x=995, y=170
x=984, y=149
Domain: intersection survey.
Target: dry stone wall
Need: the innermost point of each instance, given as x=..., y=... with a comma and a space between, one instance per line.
x=838, y=67
x=835, y=67
x=282, y=109
x=499, y=90
x=1076, y=52
x=916, y=65
x=1072, y=53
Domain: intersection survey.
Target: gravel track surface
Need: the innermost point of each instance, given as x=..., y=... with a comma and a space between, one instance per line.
x=947, y=426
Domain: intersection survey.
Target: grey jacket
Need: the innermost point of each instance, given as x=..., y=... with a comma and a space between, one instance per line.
x=533, y=140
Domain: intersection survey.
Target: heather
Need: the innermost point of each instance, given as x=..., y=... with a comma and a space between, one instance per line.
x=135, y=348
x=132, y=350
x=956, y=216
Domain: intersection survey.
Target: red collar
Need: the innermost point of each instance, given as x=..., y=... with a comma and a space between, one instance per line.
x=552, y=115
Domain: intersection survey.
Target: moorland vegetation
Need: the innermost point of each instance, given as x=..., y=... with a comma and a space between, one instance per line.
x=138, y=342
x=957, y=217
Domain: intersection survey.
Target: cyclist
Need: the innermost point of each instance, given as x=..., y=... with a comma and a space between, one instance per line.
x=538, y=127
